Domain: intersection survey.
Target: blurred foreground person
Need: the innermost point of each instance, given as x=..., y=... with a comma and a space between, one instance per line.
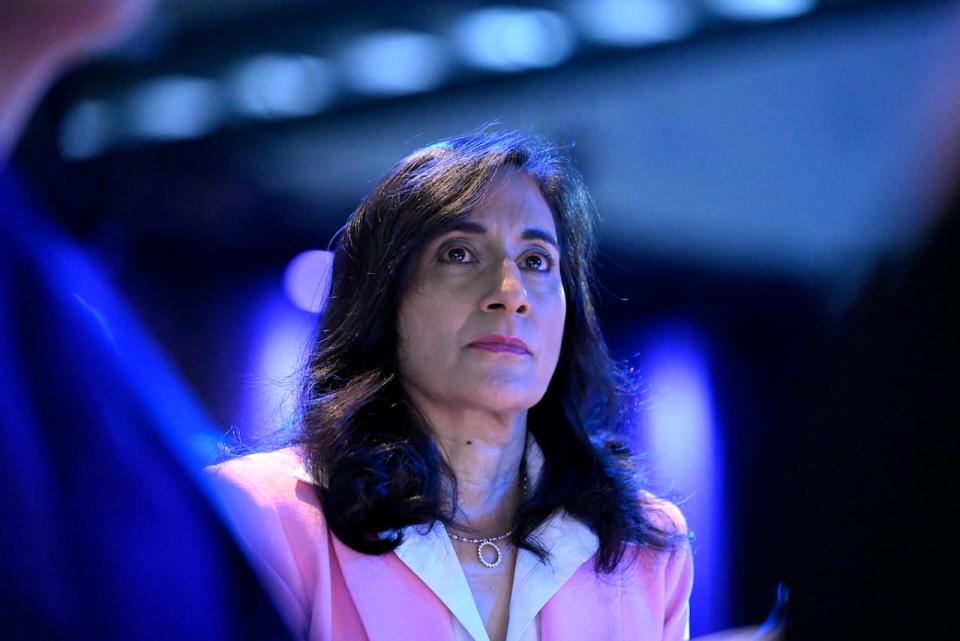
x=869, y=540
x=106, y=534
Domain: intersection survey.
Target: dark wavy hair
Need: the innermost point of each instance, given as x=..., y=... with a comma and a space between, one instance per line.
x=365, y=442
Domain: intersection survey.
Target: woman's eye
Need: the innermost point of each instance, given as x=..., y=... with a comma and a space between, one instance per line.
x=538, y=262
x=456, y=255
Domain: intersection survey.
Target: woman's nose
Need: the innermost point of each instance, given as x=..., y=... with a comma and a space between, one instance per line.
x=507, y=292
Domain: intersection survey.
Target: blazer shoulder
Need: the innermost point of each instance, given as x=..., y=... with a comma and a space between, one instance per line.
x=278, y=477
x=664, y=514
x=674, y=568
x=271, y=466
x=276, y=517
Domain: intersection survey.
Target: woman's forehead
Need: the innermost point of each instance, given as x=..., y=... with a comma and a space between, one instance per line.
x=513, y=202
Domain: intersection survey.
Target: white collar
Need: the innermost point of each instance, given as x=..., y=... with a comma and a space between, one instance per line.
x=430, y=555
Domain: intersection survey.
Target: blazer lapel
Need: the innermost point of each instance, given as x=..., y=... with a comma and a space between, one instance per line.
x=580, y=611
x=538, y=586
x=393, y=603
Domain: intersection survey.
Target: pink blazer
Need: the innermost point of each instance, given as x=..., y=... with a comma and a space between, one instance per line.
x=329, y=592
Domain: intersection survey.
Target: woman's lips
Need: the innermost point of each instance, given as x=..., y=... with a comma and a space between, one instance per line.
x=500, y=347
x=500, y=344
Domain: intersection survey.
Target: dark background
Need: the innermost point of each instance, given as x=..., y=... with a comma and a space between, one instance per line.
x=772, y=181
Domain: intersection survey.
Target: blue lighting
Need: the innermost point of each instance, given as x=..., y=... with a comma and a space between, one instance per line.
x=681, y=409
x=761, y=9
x=395, y=62
x=278, y=341
x=87, y=130
x=505, y=38
x=278, y=85
x=633, y=22
x=174, y=107
x=307, y=279
x=685, y=446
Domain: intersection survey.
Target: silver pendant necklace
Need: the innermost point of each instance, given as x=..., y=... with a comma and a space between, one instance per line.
x=482, y=543
x=491, y=541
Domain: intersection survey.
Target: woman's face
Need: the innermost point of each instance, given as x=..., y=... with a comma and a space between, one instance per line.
x=482, y=322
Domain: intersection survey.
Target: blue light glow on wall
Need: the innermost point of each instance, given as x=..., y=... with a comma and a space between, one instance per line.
x=307, y=279
x=508, y=39
x=762, y=9
x=685, y=447
x=274, y=85
x=277, y=342
x=395, y=62
x=629, y=23
x=174, y=108
x=283, y=316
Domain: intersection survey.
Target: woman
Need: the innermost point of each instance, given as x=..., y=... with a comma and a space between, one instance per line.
x=451, y=478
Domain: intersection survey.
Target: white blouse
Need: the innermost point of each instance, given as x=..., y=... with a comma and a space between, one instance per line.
x=431, y=557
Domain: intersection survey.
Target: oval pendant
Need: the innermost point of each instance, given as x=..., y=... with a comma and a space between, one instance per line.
x=496, y=549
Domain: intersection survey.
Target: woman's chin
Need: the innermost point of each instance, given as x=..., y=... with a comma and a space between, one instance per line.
x=502, y=397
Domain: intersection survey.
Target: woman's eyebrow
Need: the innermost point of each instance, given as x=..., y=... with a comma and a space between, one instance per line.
x=535, y=233
x=531, y=233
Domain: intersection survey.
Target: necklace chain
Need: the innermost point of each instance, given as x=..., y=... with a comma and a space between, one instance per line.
x=484, y=540
x=490, y=540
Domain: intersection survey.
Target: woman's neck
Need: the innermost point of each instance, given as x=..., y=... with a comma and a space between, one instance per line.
x=485, y=452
